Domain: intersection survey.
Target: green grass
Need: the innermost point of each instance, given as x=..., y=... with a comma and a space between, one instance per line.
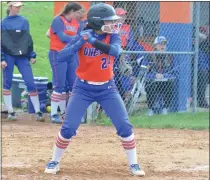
x=39, y=15
x=198, y=121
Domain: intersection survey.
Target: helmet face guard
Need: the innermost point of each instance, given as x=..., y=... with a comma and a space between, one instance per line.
x=111, y=28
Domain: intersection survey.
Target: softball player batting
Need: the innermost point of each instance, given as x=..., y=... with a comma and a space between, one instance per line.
x=95, y=83
x=17, y=49
x=63, y=30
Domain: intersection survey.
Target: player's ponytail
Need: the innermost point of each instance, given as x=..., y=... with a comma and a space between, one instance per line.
x=72, y=6
x=8, y=11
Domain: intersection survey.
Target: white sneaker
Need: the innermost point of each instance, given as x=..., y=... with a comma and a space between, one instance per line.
x=55, y=119
x=135, y=170
x=52, y=167
x=164, y=111
x=39, y=117
x=12, y=116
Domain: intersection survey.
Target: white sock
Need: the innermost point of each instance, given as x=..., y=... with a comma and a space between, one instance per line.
x=129, y=144
x=8, y=100
x=35, y=101
x=62, y=104
x=60, y=147
x=55, y=101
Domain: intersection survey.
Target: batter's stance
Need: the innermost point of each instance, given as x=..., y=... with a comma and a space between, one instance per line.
x=95, y=83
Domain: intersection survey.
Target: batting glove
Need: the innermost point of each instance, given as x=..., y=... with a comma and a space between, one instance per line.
x=88, y=36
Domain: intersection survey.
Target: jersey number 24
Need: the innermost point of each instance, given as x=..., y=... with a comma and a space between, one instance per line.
x=105, y=62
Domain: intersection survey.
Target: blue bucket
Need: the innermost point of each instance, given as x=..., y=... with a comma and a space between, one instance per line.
x=41, y=86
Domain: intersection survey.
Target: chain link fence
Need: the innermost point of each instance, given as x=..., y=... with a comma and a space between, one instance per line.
x=164, y=67
x=166, y=81
x=201, y=62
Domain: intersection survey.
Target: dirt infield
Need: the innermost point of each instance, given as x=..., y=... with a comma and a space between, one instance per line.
x=96, y=153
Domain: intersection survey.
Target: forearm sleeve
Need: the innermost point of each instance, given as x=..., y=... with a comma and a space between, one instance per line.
x=105, y=48
x=65, y=38
x=111, y=49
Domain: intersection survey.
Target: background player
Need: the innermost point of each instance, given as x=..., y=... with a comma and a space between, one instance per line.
x=160, y=79
x=95, y=83
x=64, y=29
x=125, y=34
x=125, y=67
x=15, y=29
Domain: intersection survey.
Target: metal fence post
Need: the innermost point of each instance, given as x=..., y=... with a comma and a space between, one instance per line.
x=195, y=71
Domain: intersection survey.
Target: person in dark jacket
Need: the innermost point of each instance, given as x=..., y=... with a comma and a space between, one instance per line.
x=159, y=78
x=17, y=49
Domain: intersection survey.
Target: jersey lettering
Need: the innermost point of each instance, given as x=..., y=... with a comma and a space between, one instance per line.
x=70, y=28
x=92, y=52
